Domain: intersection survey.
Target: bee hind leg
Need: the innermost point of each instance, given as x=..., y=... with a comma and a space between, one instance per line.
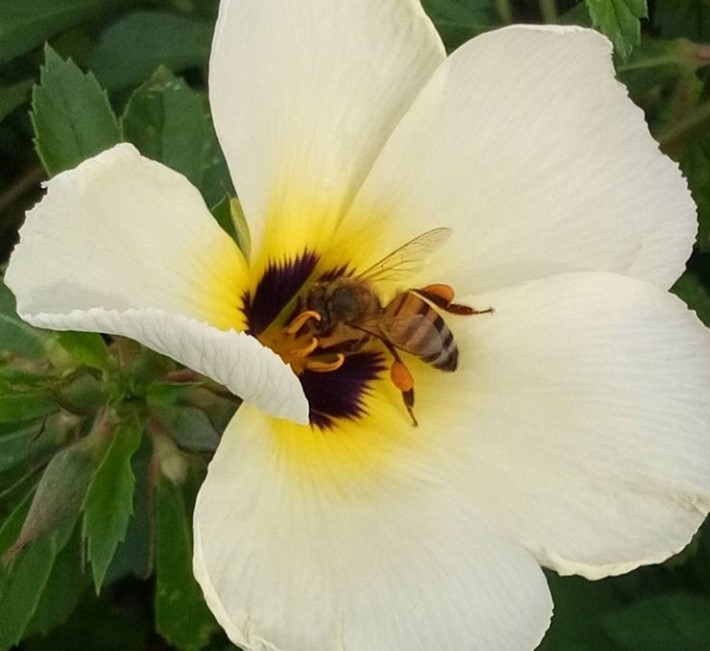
x=442, y=296
x=403, y=380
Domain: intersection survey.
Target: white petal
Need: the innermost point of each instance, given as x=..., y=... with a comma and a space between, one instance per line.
x=584, y=425
x=525, y=144
x=121, y=231
x=295, y=560
x=234, y=359
x=124, y=245
x=304, y=95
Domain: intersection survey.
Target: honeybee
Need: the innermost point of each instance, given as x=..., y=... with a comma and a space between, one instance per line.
x=347, y=314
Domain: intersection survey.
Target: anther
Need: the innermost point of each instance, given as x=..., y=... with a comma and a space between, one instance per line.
x=301, y=320
x=306, y=351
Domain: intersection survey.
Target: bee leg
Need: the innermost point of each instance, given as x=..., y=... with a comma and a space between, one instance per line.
x=442, y=296
x=403, y=380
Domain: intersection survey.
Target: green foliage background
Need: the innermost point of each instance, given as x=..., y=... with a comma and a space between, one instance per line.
x=104, y=444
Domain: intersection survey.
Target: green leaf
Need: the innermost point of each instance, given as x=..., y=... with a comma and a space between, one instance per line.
x=83, y=393
x=190, y=428
x=62, y=591
x=26, y=24
x=16, y=336
x=87, y=348
x=23, y=406
x=182, y=617
x=164, y=119
x=620, y=21
x=23, y=583
x=119, y=620
x=134, y=46
x=459, y=20
x=12, y=525
x=216, y=180
x=662, y=622
x=134, y=555
x=71, y=114
x=578, y=605
x=109, y=500
x=230, y=217
x=577, y=15
x=15, y=446
x=14, y=378
x=241, y=226
x=59, y=496
x=50, y=434
x=689, y=288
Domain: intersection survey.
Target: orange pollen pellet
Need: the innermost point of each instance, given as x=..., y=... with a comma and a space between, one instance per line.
x=441, y=290
x=401, y=377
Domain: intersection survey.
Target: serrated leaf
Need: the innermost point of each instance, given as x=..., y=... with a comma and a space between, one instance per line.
x=23, y=406
x=109, y=501
x=87, y=348
x=71, y=114
x=134, y=46
x=164, y=119
x=25, y=25
x=662, y=623
x=16, y=336
x=134, y=556
x=182, y=617
x=620, y=21
x=689, y=288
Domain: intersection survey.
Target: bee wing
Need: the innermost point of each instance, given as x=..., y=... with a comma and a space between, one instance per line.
x=408, y=258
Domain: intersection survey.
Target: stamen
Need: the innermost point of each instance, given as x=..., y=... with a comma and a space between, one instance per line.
x=325, y=367
x=300, y=321
x=306, y=351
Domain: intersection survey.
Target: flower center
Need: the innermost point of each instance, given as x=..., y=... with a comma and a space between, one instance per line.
x=335, y=380
x=333, y=330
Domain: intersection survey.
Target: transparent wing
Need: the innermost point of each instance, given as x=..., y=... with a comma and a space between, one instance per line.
x=408, y=258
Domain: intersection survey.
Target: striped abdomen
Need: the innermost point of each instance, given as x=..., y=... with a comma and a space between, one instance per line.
x=408, y=322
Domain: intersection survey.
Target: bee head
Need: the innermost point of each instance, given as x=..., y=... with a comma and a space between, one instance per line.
x=338, y=301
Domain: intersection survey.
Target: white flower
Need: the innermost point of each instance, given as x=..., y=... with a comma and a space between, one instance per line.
x=574, y=432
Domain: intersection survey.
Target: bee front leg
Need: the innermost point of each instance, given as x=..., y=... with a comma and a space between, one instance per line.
x=442, y=296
